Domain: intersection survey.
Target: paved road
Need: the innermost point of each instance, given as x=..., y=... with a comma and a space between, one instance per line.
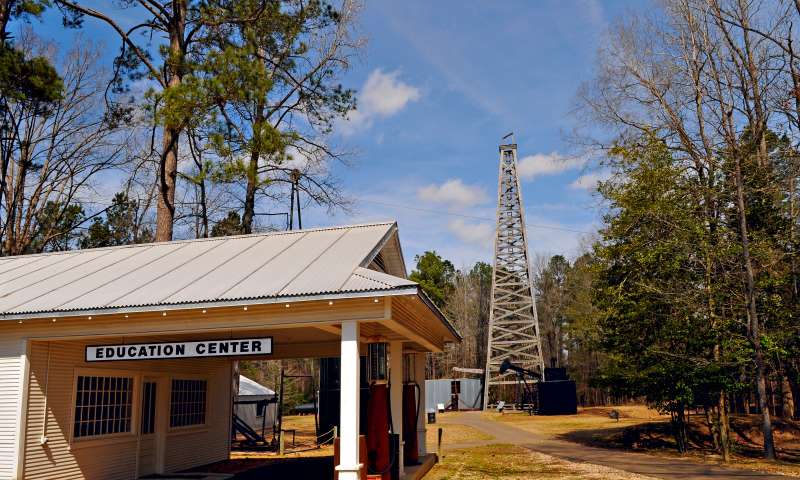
x=642, y=464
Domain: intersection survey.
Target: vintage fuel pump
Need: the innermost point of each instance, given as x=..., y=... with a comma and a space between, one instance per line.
x=411, y=411
x=379, y=422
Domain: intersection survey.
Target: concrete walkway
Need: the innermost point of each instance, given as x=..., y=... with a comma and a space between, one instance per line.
x=642, y=464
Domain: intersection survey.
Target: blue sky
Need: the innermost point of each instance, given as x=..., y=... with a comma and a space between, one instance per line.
x=439, y=83
x=477, y=70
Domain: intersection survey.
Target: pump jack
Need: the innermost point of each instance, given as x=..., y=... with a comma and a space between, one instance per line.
x=527, y=396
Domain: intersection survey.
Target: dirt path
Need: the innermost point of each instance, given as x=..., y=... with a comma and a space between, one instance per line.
x=666, y=468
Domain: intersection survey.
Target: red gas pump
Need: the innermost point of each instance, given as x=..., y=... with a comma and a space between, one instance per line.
x=379, y=462
x=411, y=411
x=410, y=417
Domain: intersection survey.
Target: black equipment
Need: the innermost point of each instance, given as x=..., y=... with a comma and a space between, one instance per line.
x=556, y=395
x=553, y=373
x=329, y=395
x=527, y=398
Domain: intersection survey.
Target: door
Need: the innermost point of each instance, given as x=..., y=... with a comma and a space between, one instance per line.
x=150, y=434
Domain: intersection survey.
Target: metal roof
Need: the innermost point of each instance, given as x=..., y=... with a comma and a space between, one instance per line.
x=271, y=266
x=251, y=388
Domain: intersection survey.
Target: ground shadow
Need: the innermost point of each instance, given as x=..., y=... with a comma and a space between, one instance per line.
x=657, y=436
x=261, y=468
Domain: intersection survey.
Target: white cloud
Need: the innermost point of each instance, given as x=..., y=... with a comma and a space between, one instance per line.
x=382, y=95
x=480, y=234
x=589, y=181
x=454, y=194
x=532, y=166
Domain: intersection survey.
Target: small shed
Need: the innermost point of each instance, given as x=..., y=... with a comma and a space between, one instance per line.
x=440, y=391
x=253, y=404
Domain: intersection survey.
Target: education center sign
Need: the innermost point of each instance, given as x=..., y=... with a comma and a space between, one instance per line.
x=171, y=350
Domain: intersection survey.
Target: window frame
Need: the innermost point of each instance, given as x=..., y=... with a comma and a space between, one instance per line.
x=154, y=418
x=206, y=409
x=135, y=410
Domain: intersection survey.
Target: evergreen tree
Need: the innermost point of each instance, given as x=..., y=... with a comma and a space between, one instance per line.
x=435, y=276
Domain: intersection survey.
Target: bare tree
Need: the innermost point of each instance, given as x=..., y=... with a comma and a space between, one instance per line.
x=57, y=153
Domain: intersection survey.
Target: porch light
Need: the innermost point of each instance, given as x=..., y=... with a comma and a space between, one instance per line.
x=245, y=309
x=330, y=302
x=163, y=314
x=287, y=305
x=377, y=360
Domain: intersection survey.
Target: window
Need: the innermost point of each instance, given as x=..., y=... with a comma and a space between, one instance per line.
x=148, y=407
x=187, y=403
x=102, y=405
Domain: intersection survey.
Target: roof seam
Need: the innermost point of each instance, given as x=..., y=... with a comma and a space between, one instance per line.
x=12, y=261
x=313, y=261
x=59, y=287
x=85, y=262
x=266, y=262
x=62, y=260
x=371, y=255
x=187, y=285
x=355, y=274
x=221, y=242
x=169, y=252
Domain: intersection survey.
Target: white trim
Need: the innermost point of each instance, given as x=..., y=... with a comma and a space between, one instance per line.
x=77, y=443
x=396, y=394
x=419, y=377
x=349, y=391
x=22, y=423
x=195, y=426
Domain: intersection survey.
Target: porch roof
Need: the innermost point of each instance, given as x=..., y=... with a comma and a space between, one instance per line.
x=314, y=264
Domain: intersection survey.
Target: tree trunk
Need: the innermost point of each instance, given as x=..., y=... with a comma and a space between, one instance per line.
x=165, y=208
x=204, y=207
x=724, y=427
x=250, y=193
x=752, y=312
x=713, y=426
x=5, y=16
x=252, y=170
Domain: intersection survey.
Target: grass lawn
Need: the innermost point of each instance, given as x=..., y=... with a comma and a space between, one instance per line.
x=587, y=419
x=644, y=430
x=510, y=462
x=453, y=433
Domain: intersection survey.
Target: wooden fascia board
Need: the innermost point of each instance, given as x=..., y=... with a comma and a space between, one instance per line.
x=187, y=322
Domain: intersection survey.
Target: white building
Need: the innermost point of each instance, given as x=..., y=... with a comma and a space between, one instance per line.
x=116, y=362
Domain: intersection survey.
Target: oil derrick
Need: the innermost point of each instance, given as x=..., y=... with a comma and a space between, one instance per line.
x=513, y=322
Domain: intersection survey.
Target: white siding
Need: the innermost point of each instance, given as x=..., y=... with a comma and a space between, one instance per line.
x=11, y=364
x=113, y=459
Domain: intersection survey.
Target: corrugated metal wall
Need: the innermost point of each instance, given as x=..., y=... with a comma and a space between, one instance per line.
x=438, y=391
x=11, y=351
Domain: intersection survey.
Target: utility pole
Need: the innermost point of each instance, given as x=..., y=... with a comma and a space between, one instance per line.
x=513, y=322
x=295, y=194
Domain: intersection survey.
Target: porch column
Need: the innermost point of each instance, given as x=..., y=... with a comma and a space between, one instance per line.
x=396, y=393
x=419, y=377
x=349, y=464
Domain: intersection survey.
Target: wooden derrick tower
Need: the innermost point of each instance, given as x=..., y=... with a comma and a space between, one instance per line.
x=513, y=322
